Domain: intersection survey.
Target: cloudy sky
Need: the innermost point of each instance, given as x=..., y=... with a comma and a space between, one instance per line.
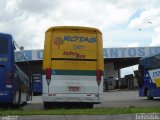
x=124, y=23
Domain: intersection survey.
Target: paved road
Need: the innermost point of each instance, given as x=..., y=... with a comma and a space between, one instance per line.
x=126, y=99
x=112, y=98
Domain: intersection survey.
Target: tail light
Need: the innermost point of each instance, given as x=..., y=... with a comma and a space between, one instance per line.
x=9, y=80
x=48, y=75
x=98, y=75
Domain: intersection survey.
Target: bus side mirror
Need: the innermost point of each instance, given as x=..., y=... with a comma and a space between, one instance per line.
x=14, y=48
x=22, y=48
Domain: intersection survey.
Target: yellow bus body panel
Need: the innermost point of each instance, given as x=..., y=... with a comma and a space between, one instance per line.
x=73, y=48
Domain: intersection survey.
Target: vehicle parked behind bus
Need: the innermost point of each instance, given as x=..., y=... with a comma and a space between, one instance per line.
x=149, y=76
x=37, y=84
x=14, y=83
x=72, y=66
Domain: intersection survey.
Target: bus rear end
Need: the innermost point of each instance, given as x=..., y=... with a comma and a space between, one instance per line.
x=73, y=65
x=37, y=83
x=6, y=69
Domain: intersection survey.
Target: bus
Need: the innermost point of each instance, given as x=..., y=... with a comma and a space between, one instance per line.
x=37, y=83
x=72, y=66
x=14, y=83
x=149, y=76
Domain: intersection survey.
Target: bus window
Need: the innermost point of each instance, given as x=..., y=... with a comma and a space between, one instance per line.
x=140, y=75
x=3, y=45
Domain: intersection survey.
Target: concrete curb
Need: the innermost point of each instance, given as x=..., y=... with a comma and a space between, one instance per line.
x=79, y=117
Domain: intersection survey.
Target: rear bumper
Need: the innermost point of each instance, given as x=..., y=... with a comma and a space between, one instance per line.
x=89, y=98
x=5, y=97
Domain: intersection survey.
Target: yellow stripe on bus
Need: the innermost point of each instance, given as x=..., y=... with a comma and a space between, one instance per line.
x=74, y=65
x=157, y=81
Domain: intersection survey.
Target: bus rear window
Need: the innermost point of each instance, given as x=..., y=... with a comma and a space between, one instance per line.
x=3, y=46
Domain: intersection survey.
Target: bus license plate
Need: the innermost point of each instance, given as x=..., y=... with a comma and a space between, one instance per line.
x=73, y=88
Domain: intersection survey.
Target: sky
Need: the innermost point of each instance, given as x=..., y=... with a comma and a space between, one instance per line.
x=124, y=23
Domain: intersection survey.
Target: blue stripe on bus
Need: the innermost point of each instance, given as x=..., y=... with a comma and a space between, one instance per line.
x=74, y=72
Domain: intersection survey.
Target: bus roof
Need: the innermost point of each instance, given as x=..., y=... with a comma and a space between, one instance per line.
x=6, y=34
x=74, y=27
x=148, y=56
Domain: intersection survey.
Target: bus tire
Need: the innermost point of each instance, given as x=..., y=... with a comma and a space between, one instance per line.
x=90, y=105
x=15, y=101
x=46, y=106
x=149, y=96
x=19, y=98
x=25, y=103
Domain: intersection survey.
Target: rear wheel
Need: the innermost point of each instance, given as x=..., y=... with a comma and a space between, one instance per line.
x=25, y=103
x=149, y=96
x=90, y=105
x=46, y=105
x=19, y=98
x=86, y=105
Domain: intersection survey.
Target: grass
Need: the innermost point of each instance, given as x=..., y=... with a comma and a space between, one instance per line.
x=95, y=111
